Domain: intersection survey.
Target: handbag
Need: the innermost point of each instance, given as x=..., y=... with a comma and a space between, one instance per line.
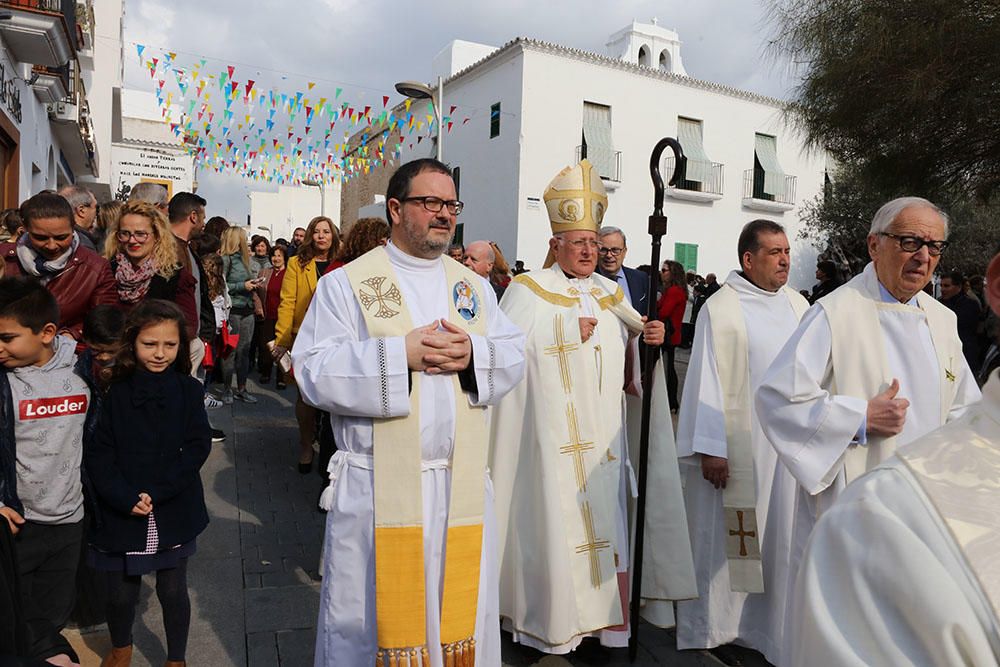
x=208, y=362
x=229, y=340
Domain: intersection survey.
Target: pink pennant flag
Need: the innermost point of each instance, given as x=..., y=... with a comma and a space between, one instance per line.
x=230, y=69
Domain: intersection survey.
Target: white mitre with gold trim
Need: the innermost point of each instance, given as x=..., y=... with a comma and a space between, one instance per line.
x=576, y=199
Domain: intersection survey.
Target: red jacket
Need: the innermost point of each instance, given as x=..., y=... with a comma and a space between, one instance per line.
x=84, y=283
x=671, y=307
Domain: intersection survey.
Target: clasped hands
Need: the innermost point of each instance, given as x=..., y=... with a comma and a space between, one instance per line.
x=144, y=506
x=439, y=347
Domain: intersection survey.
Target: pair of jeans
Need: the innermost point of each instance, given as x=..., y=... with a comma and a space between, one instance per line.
x=239, y=359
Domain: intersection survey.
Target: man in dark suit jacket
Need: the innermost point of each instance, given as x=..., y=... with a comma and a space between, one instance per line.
x=612, y=251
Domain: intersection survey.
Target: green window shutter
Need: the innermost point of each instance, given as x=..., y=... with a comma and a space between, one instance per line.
x=687, y=255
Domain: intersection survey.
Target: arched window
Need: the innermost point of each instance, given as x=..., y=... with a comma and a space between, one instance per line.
x=665, y=60
x=643, y=56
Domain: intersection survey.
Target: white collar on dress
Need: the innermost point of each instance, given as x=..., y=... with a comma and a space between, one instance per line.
x=410, y=262
x=744, y=286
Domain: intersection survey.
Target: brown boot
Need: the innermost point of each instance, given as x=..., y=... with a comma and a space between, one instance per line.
x=119, y=657
x=174, y=663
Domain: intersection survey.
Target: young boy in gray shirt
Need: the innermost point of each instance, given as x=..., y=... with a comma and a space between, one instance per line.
x=47, y=411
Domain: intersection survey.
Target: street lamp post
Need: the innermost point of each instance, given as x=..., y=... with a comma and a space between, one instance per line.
x=421, y=91
x=312, y=182
x=269, y=230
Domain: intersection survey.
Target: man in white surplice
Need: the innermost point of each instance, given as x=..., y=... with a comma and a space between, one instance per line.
x=355, y=377
x=877, y=364
x=903, y=569
x=755, y=312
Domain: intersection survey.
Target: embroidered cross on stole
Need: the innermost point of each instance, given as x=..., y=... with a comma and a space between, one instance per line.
x=739, y=498
x=399, y=547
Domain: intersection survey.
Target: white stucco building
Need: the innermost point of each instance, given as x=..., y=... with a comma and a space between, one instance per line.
x=537, y=107
x=276, y=214
x=143, y=147
x=55, y=90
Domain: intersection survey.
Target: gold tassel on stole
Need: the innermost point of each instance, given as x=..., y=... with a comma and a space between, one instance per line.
x=460, y=653
x=403, y=657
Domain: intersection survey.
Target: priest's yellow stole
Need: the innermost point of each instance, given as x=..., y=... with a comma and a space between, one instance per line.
x=399, y=562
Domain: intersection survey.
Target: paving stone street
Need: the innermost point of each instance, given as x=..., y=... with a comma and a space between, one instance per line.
x=254, y=581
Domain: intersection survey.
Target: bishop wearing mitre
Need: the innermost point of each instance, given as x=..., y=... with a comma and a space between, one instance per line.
x=560, y=447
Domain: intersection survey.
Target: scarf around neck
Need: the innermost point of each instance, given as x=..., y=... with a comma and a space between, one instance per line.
x=35, y=264
x=133, y=281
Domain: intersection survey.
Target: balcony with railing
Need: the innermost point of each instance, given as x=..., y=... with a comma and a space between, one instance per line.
x=702, y=180
x=85, y=27
x=770, y=192
x=51, y=84
x=607, y=161
x=73, y=127
x=40, y=32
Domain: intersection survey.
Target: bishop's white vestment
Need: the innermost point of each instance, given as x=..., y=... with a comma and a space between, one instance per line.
x=724, y=614
x=904, y=568
x=560, y=462
x=341, y=369
x=813, y=402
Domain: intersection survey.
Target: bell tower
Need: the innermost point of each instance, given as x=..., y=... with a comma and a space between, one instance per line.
x=648, y=45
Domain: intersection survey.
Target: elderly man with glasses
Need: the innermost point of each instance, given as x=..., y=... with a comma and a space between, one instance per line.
x=876, y=364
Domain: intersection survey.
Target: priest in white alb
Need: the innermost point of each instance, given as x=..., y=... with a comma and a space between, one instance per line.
x=560, y=447
x=876, y=365
x=405, y=349
x=740, y=499
x=903, y=569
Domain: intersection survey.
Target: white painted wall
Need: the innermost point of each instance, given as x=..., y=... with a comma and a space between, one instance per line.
x=644, y=110
x=149, y=150
x=133, y=164
x=290, y=207
x=458, y=55
x=103, y=78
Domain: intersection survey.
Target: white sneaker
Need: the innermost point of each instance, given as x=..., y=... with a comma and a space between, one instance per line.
x=211, y=402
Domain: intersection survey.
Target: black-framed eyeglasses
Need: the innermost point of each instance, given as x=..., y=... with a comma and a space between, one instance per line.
x=124, y=235
x=608, y=250
x=915, y=243
x=435, y=204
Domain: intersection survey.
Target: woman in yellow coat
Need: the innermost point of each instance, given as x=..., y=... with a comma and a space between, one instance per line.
x=304, y=269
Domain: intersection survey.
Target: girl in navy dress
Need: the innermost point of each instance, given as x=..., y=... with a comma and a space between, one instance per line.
x=152, y=439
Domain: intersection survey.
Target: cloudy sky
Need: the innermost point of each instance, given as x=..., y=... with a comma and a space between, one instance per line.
x=363, y=46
